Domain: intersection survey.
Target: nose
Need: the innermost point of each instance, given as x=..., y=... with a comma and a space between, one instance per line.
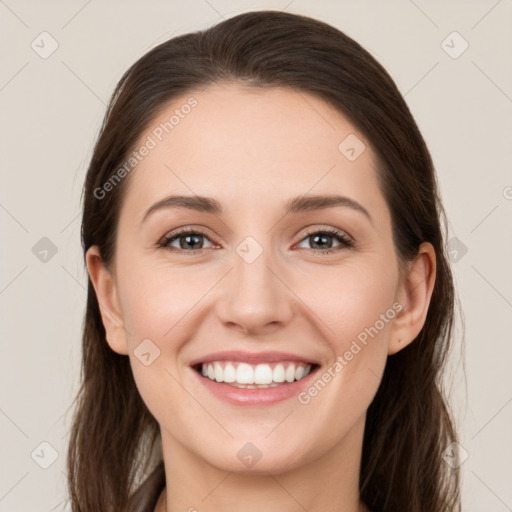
x=255, y=297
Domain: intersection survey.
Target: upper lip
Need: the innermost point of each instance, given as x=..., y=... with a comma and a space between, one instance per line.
x=251, y=357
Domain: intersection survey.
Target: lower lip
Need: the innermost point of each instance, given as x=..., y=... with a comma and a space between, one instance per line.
x=263, y=396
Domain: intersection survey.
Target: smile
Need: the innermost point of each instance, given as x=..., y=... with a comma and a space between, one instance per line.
x=263, y=384
x=254, y=376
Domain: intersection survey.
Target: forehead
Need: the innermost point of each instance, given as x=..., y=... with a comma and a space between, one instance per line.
x=247, y=145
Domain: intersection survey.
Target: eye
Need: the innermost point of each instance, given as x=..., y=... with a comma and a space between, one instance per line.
x=192, y=241
x=187, y=241
x=323, y=239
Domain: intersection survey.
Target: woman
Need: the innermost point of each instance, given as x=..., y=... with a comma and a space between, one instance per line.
x=270, y=304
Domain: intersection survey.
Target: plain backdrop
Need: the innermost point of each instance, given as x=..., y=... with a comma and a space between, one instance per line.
x=60, y=63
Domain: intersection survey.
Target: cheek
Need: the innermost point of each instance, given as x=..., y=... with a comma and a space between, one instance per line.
x=352, y=299
x=157, y=306
x=155, y=299
x=355, y=306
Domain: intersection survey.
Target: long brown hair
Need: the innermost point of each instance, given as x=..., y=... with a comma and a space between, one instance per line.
x=114, y=443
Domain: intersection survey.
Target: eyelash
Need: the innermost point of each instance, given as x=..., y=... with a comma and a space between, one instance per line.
x=345, y=241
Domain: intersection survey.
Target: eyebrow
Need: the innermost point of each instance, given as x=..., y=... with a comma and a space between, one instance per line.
x=295, y=205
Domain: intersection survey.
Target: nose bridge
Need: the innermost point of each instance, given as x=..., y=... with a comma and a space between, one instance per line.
x=256, y=297
x=252, y=276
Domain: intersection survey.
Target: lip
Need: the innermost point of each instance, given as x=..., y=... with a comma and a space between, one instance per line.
x=252, y=357
x=263, y=396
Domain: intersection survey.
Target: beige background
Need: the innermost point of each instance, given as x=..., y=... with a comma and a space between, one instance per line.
x=51, y=111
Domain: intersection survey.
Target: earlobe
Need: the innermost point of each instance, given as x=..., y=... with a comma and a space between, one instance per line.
x=106, y=292
x=414, y=295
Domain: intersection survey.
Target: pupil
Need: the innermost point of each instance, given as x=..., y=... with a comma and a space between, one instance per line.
x=189, y=245
x=321, y=237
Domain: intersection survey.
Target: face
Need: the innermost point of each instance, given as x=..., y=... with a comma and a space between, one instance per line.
x=288, y=268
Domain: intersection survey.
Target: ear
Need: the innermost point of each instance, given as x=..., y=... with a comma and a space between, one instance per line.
x=106, y=293
x=414, y=293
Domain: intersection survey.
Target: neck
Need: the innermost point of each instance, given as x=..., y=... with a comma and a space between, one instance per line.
x=328, y=483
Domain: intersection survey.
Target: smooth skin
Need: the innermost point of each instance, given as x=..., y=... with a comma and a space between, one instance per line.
x=252, y=150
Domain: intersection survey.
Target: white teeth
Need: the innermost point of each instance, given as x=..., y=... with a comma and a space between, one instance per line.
x=278, y=374
x=219, y=377
x=263, y=374
x=229, y=373
x=244, y=375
